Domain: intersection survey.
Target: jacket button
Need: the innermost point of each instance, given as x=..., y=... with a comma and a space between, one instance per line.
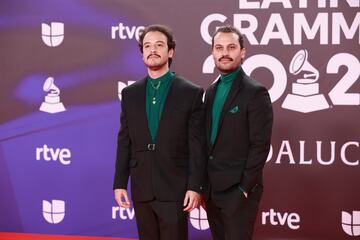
x=211, y=157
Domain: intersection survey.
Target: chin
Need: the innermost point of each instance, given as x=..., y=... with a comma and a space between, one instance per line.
x=226, y=69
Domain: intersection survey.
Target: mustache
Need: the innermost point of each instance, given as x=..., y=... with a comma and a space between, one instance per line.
x=153, y=55
x=226, y=57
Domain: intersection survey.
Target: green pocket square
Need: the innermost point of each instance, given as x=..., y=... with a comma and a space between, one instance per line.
x=235, y=109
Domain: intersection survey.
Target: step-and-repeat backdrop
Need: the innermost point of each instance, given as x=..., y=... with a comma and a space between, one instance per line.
x=64, y=63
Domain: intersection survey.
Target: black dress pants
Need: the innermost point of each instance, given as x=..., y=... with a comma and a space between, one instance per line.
x=157, y=220
x=231, y=215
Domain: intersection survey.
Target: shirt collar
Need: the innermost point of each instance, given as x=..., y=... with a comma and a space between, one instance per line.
x=229, y=77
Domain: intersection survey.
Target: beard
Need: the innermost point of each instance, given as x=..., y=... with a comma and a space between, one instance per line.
x=155, y=62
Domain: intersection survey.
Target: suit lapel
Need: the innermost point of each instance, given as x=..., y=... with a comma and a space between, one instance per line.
x=168, y=104
x=235, y=88
x=140, y=101
x=210, y=100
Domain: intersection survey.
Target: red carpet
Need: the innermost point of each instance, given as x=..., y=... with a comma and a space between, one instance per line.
x=29, y=236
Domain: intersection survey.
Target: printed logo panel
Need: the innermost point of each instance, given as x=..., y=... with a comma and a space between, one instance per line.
x=53, y=34
x=54, y=211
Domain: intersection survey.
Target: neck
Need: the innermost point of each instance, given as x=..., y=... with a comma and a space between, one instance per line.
x=230, y=71
x=156, y=73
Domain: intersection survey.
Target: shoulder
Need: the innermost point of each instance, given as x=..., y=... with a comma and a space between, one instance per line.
x=185, y=84
x=135, y=87
x=257, y=93
x=252, y=84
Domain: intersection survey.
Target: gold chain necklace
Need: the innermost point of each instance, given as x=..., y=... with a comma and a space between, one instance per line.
x=156, y=87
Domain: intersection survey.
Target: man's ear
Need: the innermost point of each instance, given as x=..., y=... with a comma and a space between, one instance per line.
x=243, y=53
x=171, y=53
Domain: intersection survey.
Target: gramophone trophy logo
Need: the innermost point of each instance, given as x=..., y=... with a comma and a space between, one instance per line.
x=52, y=102
x=305, y=95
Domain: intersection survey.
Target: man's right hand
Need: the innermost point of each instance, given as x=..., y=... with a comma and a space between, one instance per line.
x=121, y=197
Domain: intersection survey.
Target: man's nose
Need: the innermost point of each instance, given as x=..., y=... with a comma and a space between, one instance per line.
x=153, y=48
x=225, y=52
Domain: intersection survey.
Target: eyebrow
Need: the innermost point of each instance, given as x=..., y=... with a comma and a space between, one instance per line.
x=159, y=41
x=225, y=45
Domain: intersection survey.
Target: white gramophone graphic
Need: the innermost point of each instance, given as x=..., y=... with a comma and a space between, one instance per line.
x=52, y=102
x=305, y=95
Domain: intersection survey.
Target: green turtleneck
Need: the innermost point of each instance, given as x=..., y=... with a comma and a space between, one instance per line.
x=222, y=91
x=156, y=92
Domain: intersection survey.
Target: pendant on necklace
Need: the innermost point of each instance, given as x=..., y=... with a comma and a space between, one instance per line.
x=154, y=100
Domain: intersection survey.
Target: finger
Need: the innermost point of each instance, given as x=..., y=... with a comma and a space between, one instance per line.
x=191, y=207
x=187, y=207
x=186, y=200
x=118, y=199
x=194, y=205
x=126, y=198
x=125, y=202
x=190, y=204
x=125, y=205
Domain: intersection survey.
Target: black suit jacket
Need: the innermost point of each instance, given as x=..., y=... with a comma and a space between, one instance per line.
x=178, y=162
x=243, y=140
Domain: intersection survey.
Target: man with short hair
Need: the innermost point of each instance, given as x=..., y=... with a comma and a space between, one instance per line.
x=239, y=122
x=161, y=143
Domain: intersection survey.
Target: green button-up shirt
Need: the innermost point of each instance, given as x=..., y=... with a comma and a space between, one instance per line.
x=156, y=92
x=222, y=91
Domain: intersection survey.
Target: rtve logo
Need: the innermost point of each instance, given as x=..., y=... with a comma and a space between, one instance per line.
x=50, y=154
x=53, y=34
x=351, y=223
x=123, y=213
x=198, y=217
x=292, y=220
x=126, y=32
x=54, y=211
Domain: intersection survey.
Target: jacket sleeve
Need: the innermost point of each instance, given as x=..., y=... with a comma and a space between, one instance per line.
x=260, y=120
x=123, y=150
x=197, y=160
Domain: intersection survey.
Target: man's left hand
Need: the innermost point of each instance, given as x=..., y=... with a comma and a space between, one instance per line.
x=191, y=200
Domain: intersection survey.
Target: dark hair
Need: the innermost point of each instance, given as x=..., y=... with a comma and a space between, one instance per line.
x=228, y=29
x=158, y=28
